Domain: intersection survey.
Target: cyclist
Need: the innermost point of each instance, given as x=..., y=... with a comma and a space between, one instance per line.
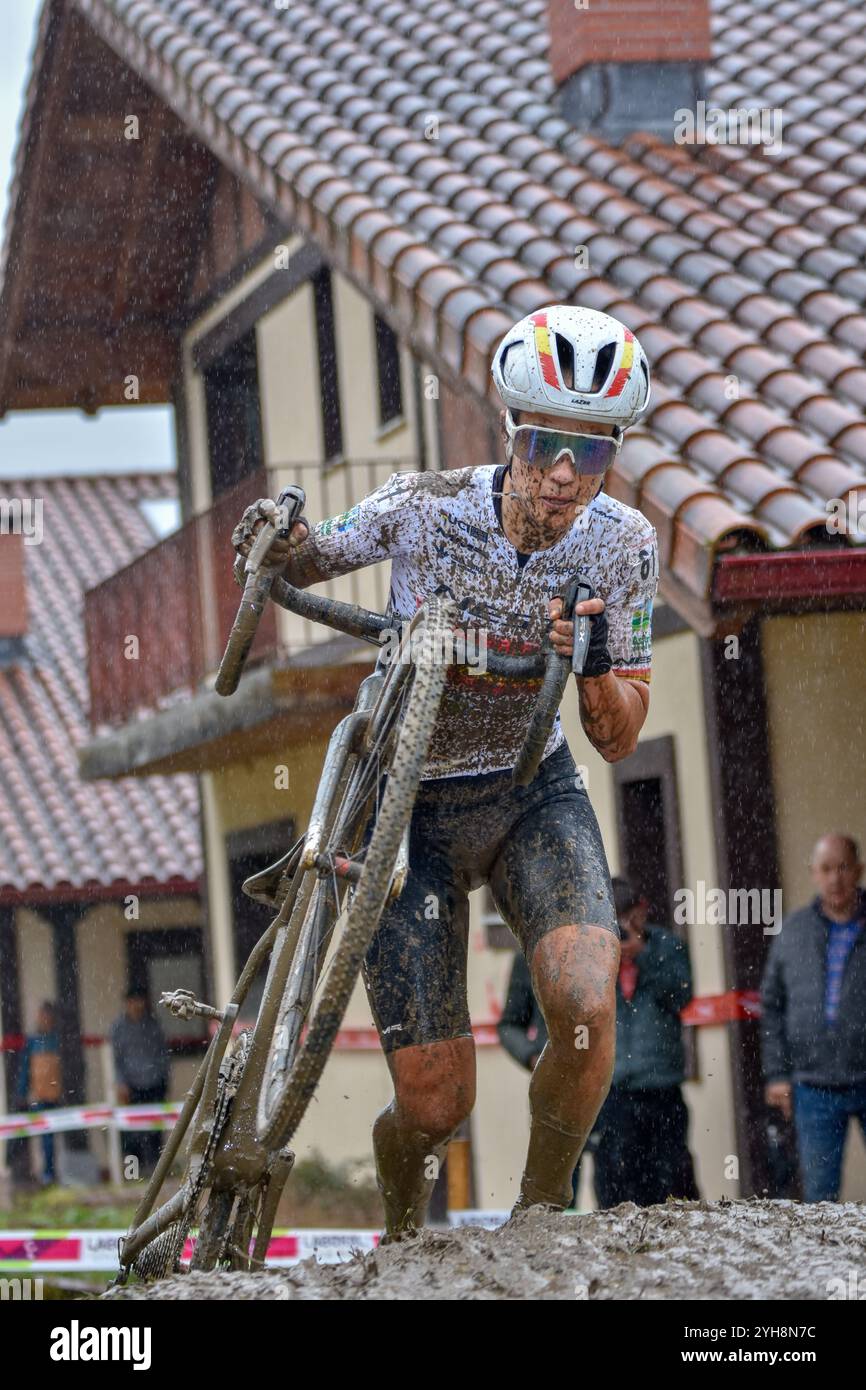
x=502, y=541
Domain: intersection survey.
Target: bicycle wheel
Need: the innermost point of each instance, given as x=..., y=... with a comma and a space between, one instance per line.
x=281, y=1108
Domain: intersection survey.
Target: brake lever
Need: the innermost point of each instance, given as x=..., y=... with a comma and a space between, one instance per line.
x=290, y=502
x=577, y=591
x=257, y=582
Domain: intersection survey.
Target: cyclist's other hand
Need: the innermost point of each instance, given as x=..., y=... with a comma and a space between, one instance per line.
x=561, y=632
x=244, y=534
x=779, y=1095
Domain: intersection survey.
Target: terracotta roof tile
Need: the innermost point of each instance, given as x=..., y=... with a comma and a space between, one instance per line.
x=851, y=441
x=55, y=829
x=828, y=478
x=851, y=382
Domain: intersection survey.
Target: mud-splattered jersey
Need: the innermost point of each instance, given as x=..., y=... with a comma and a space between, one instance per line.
x=442, y=536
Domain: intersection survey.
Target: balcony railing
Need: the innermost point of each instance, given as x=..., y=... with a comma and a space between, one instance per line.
x=156, y=630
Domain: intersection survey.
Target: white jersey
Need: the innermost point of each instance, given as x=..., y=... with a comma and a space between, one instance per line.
x=442, y=535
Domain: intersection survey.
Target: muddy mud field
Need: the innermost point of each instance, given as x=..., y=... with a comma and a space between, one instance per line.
x=684, y=1250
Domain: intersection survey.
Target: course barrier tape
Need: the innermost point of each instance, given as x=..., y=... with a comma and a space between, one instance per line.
x=703, y=1009
x=730, y=1007
x=708, y=1009
x=156, y=1115
x=95, y=1251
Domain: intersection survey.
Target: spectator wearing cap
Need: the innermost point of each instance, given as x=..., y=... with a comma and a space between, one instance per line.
x=642, y=1154
x=814, y=1016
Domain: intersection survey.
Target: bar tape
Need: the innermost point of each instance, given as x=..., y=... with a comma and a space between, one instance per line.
x=59, y=1251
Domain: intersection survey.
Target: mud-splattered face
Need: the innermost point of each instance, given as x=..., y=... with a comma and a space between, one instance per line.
x=542, y=504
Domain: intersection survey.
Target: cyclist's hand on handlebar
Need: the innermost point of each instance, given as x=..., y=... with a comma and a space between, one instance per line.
x=244, y=534
x=598, y=661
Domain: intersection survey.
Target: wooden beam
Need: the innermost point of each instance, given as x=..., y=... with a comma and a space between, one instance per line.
x=143, y=181
x=53, y=80
x=741, y=794
x=278, y=286
x=272, y=707
x=89, y=397
x=96, y=128
x=80, y=366
x=35, y=894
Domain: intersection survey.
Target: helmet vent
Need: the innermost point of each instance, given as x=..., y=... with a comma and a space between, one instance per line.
x=513, y=367
x=565, y=353
x=603, y=363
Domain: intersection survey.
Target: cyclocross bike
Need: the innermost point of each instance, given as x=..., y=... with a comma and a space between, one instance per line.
x=329, y=891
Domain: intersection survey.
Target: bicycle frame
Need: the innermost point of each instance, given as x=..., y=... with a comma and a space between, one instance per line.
x=241, y=1161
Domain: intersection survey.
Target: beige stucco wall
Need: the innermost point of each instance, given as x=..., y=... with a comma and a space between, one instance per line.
x=816, y=703
x=37, y=978
x=817, y=716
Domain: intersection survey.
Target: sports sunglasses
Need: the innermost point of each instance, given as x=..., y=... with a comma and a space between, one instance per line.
x=590, y=453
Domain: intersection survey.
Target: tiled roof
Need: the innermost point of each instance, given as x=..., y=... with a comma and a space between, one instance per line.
x=55, y=829
x=422, y=149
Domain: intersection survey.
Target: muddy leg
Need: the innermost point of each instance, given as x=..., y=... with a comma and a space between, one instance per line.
x=574, y=972
x=434, y=1091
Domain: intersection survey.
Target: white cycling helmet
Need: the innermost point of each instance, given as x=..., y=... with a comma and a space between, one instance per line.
x=574, y=362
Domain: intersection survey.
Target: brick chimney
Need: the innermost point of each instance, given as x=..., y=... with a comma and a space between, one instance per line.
x=13, y=591
x=624, y=65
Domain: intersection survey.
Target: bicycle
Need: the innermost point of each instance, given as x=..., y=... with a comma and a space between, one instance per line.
x=329, y=890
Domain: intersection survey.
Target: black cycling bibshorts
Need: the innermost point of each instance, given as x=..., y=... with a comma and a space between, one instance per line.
x=540, y=850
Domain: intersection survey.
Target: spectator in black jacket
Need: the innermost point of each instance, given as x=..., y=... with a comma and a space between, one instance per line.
x=640, y=1137
x=141, y=1064
x=643, y=1154
x=814, y=1016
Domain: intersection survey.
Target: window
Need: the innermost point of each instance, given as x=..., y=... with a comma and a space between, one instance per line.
x=234, y=417
x=388, y=369
x=329, y=384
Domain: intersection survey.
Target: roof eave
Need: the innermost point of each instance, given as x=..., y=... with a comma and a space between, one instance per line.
x=834, y=578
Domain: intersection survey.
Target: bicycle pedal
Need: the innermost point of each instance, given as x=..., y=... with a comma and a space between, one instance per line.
x=183, y=1004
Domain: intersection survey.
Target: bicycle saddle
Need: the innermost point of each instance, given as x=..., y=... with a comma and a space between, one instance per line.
x=268, y=886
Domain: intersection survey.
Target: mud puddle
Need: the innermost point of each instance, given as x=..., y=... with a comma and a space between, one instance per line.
x=684, y=1250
